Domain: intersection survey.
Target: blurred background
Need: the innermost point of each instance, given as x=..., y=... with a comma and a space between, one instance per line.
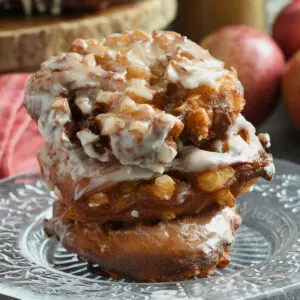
x=260, y=38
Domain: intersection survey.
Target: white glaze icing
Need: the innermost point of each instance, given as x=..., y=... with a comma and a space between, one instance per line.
x=58, y=114
x=132, y=55
x=138, y=136
x=138, y=132
x=87, y=138
x=265, y=139
x=193, y=159
x=75, y=163
x=204, y=72
x=75, y=71
x=84, y=105
x=220, y=228
x=268, y=138
x=270, y=169
x=205, y=233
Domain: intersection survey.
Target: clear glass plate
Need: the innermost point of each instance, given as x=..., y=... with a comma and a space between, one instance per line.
x=265, y=256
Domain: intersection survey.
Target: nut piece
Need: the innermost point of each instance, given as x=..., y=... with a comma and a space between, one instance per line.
x=214, y=180
x=139, y=127
x=89, y=60
x=84, y=104
x=110, y=124
x=163, y=187
x=60, y=104
x=225, y=198
x=98, y=200
x=198, y=123
x=137, y=72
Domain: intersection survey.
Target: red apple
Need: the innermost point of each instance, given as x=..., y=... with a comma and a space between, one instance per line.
x=258, y=61
x=291, y=89
x=286, y=29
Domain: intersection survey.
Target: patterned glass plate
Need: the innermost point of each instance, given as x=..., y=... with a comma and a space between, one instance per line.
x=265, y=256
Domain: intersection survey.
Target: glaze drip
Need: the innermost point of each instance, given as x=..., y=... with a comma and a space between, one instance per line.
x=145, y=93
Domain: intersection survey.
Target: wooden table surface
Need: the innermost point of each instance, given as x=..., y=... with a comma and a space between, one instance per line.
x=26, y=42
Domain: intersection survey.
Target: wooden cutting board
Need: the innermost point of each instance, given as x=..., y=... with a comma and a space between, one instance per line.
x=26, y=42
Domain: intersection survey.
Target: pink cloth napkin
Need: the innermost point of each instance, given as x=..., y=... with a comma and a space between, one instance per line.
x=19, y=136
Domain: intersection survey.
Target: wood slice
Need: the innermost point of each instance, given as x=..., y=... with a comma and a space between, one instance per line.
x=26, y=42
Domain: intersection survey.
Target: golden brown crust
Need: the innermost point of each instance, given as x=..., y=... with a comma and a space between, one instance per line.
x=165, y=251
x=147, y=151
x=163, y=198
x=175, y=76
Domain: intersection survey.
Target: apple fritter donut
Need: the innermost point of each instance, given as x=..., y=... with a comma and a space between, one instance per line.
x=165, y=251
x=99, y=192
x=147, y=151
x=144, y=88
